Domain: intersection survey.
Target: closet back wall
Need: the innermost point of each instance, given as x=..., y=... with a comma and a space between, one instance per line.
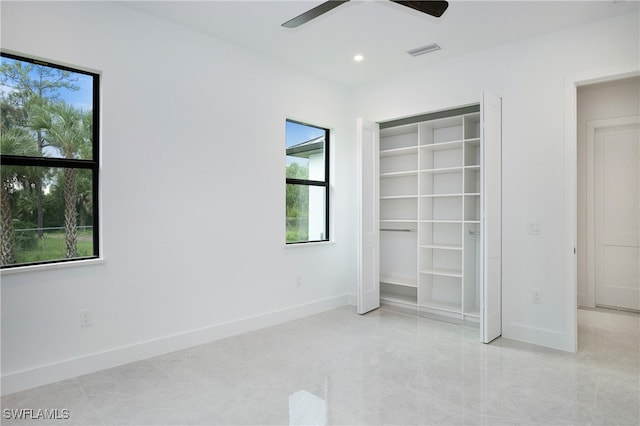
x=192, y=192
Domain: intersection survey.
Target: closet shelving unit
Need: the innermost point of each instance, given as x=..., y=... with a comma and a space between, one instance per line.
x=430, y=215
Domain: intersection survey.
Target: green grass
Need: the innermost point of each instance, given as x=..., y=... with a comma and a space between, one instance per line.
x=295, y=236
x=52, y=246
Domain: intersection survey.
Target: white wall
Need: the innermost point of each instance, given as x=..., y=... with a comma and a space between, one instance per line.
x=193, y=196
x=530, y=77
x=619, y=98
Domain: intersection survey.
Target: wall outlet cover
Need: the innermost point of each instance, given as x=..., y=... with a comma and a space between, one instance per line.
x=533, y=228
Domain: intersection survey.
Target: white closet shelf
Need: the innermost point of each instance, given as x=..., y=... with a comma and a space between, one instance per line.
x=472, y=167
x=441, y=195
x=456, y=273
x=441, y=306
x=443, y=170
x=397, y=298
x=473, y=141
x=399, y=281
x=399, y=174
x=441, y=246
x=403, y=130
x=398, y=197
x=399, y=151
x=440, y=221
x=442, y=145
x=472, y=311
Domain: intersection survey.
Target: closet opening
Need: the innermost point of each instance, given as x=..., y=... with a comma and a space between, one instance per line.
x=431, y=214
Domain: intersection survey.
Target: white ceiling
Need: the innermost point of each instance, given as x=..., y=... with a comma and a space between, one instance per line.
x=380, y=30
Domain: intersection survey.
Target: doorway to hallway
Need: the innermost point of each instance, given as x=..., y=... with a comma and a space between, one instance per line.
x=608, y=129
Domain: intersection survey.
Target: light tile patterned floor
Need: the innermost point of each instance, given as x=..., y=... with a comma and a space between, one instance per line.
x=385, y=367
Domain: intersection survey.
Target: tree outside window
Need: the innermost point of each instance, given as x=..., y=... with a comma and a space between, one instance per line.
x=49, y=155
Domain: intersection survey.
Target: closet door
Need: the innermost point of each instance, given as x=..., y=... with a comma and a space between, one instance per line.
x=368, y=216
x=491, y=288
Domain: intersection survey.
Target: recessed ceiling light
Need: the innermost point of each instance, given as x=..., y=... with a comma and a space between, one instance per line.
x=358, y=58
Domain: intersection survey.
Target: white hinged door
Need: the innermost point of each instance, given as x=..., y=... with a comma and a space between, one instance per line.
x=491, y=157
x=368, y=216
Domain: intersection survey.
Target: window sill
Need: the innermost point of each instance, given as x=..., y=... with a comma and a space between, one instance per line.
x=52, y=266
x=313, y=244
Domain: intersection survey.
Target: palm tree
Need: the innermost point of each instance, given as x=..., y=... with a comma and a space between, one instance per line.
x=33, y=85
x=12, y=142
x=68, y=130
x=85, y=197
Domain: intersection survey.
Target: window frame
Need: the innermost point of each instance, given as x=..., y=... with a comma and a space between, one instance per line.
x=93, y=165
x=317, y=183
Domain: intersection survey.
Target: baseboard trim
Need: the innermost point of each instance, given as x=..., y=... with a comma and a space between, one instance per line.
x=352, y=299
x=537, y=336
x=33, y=377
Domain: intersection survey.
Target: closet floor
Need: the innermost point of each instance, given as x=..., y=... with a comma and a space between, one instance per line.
x=386, y=367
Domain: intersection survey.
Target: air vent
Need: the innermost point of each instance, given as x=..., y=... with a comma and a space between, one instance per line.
x=424, y=49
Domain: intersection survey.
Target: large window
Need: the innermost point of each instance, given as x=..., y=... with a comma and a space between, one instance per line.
x=49, y=162
x=307, y=182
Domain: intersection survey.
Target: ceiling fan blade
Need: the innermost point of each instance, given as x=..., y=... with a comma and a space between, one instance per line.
x=314, y=13
x=433, y=8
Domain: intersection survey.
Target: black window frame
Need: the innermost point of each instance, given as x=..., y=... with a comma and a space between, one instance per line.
x=93, y=165
x=317, y=183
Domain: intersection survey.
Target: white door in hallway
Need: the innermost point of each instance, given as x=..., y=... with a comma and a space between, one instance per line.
x=616, y=145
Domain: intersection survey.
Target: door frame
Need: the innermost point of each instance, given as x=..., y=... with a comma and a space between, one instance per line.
x=592, y=127
x=570, y=214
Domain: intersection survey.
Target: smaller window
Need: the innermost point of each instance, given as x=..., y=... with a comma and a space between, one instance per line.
x=307, y=183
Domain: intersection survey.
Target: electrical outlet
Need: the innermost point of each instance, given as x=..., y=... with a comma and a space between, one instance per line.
x=533, y=228
x=85, y=318
x=536, y=296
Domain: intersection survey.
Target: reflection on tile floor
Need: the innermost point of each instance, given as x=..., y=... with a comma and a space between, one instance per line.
x=386, y=367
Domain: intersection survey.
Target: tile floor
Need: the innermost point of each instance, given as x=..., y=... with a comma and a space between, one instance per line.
x=386, y=367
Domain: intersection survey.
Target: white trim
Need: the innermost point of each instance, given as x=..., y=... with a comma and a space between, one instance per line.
x=52, y=62
x=52, y=266
x=20, y=380
x=310, y=244
x=569, y=342
x=352, y=299
x=534, y=335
